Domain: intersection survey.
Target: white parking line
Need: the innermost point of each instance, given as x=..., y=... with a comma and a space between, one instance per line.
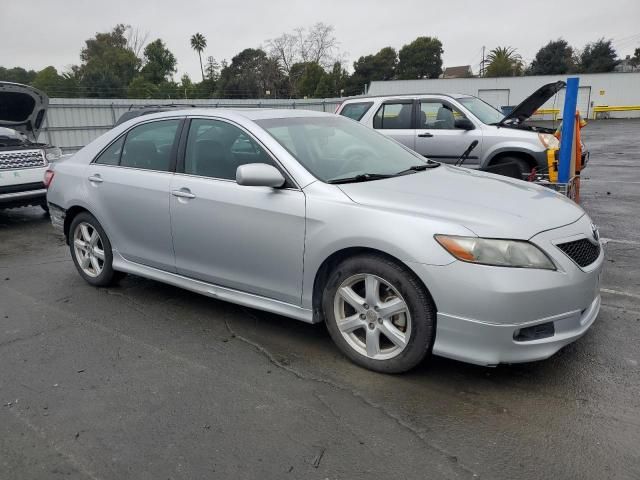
x=624, y=242
x=618, y=292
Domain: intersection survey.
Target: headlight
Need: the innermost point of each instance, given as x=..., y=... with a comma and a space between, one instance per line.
x=501, y=253
x=52, y=154
x=549, y=141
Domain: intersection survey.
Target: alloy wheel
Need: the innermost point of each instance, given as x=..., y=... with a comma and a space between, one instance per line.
x=88, y=249
x=372, y=316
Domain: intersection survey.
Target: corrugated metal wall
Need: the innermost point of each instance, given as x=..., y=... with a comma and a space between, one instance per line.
x=620, y=89
x=74, y=122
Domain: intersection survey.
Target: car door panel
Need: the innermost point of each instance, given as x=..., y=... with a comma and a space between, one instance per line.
x=241, y=237
x=395, y=120
x=133, y=206
x=438, y=139
x=128, y=185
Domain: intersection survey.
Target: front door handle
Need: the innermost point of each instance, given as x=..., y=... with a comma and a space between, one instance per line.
x=425, y=135
x=183, y=193
x=96, y=178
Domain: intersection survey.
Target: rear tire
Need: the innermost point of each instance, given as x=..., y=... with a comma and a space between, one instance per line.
x=91, y=251
x=379, y=314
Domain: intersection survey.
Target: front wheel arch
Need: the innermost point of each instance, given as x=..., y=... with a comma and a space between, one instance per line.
x=333, y=260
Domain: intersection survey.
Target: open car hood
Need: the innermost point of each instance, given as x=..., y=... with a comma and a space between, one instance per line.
x=533, y=102
x=22, y=108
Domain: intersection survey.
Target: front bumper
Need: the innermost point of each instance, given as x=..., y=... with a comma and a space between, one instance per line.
x=482, y=309
x=23, y=195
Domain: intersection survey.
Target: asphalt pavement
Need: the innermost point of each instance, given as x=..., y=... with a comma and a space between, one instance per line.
x=147, y=381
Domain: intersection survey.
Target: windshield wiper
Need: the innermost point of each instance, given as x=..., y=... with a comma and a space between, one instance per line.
x=419, y=168
x=363, y=177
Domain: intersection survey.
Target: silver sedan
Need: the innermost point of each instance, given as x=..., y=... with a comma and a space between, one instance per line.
x=318, y=218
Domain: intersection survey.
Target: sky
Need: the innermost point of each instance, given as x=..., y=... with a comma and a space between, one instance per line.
x=39, y=33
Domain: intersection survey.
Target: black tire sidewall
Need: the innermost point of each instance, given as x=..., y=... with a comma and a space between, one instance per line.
x=421, y=308
x=107, y=276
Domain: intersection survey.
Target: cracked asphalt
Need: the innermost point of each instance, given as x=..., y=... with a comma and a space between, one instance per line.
x=147, y=381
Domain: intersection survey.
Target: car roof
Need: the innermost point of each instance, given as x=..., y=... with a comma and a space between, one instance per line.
x=236, y=113
x=406, y=96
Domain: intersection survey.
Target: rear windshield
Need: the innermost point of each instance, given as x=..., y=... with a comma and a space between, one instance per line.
x=356, y=111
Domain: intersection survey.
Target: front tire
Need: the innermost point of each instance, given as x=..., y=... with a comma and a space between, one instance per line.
x=91, y=251
x=379, y=314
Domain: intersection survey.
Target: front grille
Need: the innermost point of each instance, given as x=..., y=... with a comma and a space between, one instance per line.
x=22, y=159
x=583, y=252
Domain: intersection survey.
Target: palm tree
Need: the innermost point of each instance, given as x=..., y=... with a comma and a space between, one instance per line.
x=504, y=62
x=199, y=43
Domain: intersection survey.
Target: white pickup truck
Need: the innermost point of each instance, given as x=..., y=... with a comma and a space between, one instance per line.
x=23, y=161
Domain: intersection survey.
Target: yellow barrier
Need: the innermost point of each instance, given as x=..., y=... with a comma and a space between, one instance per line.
x=548, y=111
x=613, y=108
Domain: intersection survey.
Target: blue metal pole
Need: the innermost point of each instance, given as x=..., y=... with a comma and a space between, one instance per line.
x=568, y=124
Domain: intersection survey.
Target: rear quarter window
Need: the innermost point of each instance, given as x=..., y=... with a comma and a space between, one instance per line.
x=355, y=111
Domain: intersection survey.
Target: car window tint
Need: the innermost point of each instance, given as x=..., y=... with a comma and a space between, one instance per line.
x=355, y=111
x=111, y=156
x=216, y=149
x=438, y=115
x=393, y=116
x=149, y=146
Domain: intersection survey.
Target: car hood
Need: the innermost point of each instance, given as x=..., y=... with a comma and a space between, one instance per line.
x=532, y=103
x=22, y=108
x=489, y=205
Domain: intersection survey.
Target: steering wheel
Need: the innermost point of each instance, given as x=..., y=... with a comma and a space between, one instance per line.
x=353, y=158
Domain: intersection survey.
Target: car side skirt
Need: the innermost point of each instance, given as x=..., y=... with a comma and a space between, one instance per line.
x=214, y=291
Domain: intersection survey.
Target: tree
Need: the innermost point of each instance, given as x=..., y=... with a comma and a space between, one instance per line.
x=504, y=62
x=421, y=58
x=249, y=75
x=199, y=43
x=381, y=66
x=17, y=75
x=555, y=58
x=49, y=81
x=108, y=66
x=598, y=57
x=160, y=63
x=635, y=60
x=314, y=45
x=140, y=87
x=309, y=75
x=136, y=39
x=338, y=80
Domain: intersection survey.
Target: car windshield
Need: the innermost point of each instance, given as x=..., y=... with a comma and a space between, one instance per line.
x=335, y=148
x=482, y=110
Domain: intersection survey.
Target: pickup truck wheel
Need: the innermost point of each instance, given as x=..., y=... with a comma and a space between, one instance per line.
x=91, y=251
x=379, y=314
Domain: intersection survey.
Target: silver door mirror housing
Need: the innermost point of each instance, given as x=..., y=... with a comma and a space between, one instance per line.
x=259, y=175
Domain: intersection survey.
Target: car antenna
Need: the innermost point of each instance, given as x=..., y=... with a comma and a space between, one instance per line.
x=466, y=153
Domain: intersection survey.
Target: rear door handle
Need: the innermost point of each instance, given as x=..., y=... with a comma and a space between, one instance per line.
x=183, y=193
x=96, y=178
x=425, y=135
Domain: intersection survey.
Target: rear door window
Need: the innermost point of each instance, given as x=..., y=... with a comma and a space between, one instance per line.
x=393, y=116
x=111, y=156
x=149, y=146
x=355, y=111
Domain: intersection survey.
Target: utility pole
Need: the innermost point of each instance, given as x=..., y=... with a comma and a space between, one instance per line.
x=482, y=63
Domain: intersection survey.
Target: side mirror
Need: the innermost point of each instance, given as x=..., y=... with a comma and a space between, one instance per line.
x=259, y=175
x=463, y=124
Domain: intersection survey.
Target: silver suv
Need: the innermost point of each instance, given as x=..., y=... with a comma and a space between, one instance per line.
x=442, y=126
